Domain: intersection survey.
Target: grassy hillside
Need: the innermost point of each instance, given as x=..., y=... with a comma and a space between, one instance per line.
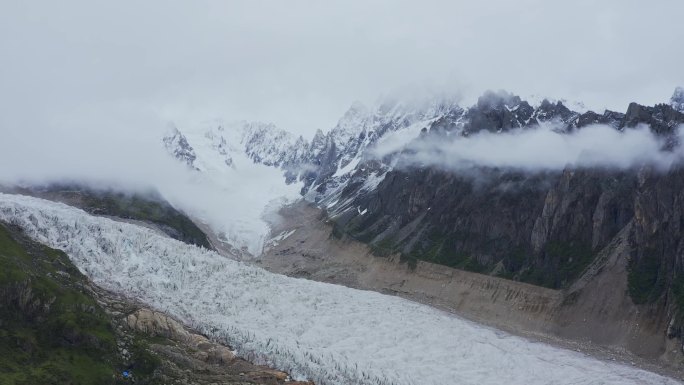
x=145, y=208
x=51, y=330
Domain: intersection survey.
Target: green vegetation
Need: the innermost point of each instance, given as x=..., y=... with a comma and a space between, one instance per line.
x=678, y=293
x=559, y=264
x=516, y=260
x=145, y=362
x=337, y=231
x=572, y=258
x=150, y=209
x=409, y=260
x=566, y=262
x=51, y=331
x=442, y=251
x=383, y=248
x=643, y=278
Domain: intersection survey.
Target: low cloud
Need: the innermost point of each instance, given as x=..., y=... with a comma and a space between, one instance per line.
x=128, y=155
x=541, y=149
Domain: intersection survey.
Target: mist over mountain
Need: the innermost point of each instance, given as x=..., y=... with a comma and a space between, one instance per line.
x=343, y=192
x=532, y=192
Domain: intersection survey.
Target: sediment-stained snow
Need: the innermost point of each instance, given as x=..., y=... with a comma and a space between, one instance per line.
x=328, y=333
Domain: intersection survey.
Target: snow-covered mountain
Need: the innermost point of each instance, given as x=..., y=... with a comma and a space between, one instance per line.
x=354, y=157
x=236, y=166
x=328, y=153
x=266, y=144
x=323, y=164
x=222, y=141
x=330, y=334
x=335, y=156
x=178, y=146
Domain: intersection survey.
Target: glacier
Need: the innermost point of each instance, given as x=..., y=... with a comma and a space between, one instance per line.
x=323, y=332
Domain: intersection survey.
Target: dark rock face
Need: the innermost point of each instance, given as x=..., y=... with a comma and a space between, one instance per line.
x=550, y=111
x=543, y=228
x=497, y=112
x=658, y=256
x=611, y=118
x=178, y=145
x=662, y=118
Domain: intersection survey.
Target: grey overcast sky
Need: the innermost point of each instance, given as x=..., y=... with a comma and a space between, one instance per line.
x=300, y=64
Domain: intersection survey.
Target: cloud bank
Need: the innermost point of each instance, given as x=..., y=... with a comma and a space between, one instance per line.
x=119, y=155
x=539, y=149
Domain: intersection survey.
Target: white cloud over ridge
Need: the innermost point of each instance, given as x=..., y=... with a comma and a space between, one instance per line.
x=540, y=149
x=119, y=155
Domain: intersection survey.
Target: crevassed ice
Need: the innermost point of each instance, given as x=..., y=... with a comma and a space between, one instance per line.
x=327, y=333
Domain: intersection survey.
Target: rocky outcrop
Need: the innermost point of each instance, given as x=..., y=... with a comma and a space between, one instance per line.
x=662, y=119
x=186, y=351
x=158, y=324
x=498, y=111
x=177, y=144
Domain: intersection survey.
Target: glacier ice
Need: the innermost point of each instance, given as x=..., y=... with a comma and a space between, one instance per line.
x=330, y=334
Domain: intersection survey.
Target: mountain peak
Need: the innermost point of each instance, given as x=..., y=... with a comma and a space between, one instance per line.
x=494, y=99
x=351, y=124
x=177, y=145
x=677, y=99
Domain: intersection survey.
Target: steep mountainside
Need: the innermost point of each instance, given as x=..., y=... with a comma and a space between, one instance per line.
x=332, y=157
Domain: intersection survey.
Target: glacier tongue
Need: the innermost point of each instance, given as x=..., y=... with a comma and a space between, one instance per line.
x=328, y=333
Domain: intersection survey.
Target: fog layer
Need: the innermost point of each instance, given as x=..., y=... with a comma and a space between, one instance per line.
x=539, y=149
